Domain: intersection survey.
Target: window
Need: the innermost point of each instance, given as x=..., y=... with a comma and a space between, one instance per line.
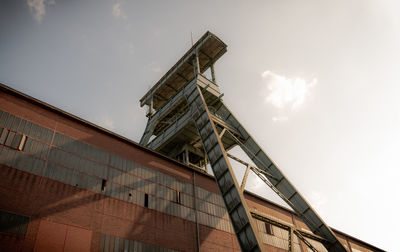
x=12, y=139
x=3, y=135
x=13, y=223
x=146, y=200
x=103, y=185
x=268, y=229
x=177, y=197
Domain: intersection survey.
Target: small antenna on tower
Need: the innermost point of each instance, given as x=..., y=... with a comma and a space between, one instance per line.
x=191, y=36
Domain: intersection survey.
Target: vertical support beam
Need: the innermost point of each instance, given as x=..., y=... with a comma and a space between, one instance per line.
x=246, y=174
x=151, y=107
x=196, y=63
x=213, y=74
x=303, y=247
x=186, y=155
x=290, y=239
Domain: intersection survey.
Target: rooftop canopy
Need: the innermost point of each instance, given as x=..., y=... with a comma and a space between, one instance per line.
x=209, y=49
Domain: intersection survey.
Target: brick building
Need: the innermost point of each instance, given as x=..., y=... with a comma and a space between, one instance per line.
x=69, y=185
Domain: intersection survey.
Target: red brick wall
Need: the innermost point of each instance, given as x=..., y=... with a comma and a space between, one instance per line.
x=72, y=208
x=54, y=205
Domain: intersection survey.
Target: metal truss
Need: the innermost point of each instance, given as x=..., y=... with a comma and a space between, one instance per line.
x=193, y=116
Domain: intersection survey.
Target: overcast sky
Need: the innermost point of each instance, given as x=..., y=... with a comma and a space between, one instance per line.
x=315, y=82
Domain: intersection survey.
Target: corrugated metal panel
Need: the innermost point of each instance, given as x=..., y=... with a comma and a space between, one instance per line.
x=50, y=170
x=153, y=202
x=140, y=198
x=158, y=190
x=36, y=148
x=135, y=182
x=161, y=205
x=58, y=139
x=59, y=173
x=102, y=241
x=160, y=178
x=94, y=184
x=130, y=167
x=3, y=135
x=3, y=118
x=38, y=166
x=9, y=157
x=3, y=154
x=116, y=244
x=15, y=123
x=84, y=166
x=9, y=121
x=21, y=126
x=107, y=243
x=83, y=181
x=111, y=244
x=20, y=161
x=188, y=188
x=34, y=131
x=187, y=200
x=10, y=138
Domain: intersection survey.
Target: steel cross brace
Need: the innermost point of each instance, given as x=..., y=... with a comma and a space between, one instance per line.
x=292, y=230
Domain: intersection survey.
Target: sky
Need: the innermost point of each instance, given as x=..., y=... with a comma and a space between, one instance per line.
x=316, y=83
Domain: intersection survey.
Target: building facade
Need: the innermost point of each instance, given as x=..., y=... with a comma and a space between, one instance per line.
x=69, y=185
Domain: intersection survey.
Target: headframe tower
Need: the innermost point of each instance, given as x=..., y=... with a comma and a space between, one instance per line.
x=188, y=121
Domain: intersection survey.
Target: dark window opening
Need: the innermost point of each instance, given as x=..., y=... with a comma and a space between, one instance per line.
x=178, y=198
x=13, y=223
x=103, y=185
x=130, y=194
x=268, y=228
x=146, y=200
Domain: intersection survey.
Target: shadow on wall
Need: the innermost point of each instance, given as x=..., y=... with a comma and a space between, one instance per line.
x=127, y=196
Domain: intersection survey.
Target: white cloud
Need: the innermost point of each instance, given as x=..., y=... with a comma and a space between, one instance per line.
x=286, y=92
x=38, y=8
x=118, y=12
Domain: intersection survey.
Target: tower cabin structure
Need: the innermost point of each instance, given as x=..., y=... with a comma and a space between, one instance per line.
x=188, y=121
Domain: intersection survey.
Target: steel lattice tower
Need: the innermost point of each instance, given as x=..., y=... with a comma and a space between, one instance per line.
x=188, y=121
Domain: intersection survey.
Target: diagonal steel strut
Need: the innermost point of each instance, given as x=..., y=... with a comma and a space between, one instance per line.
x=278, y=182
x=242, y=222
